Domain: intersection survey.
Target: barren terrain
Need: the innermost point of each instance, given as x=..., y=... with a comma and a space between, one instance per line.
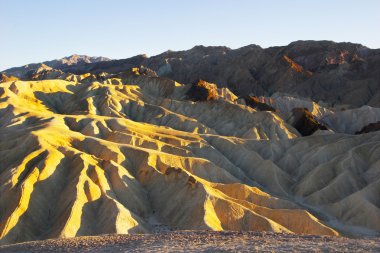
x=134, y=152
x=200, y=241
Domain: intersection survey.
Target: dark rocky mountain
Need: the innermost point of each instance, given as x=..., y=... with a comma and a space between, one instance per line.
x=336, y=73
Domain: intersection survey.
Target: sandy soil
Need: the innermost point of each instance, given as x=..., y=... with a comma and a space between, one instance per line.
x=200, y=241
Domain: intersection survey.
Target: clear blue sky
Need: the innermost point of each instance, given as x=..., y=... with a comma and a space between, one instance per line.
x=39, y=30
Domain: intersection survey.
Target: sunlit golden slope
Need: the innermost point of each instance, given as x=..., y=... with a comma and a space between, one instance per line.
x=132, y=154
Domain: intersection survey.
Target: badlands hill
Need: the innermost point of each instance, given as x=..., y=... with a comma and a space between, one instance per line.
x=135, y=152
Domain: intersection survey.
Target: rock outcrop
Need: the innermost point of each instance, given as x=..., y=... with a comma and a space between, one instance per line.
x=304, y=121
x=5, y=78
x=255, y=103
x=373, y=127
x=202, y=91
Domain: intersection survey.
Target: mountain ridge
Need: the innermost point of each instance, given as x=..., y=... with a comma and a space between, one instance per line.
x=74, y=59
x=336, y=73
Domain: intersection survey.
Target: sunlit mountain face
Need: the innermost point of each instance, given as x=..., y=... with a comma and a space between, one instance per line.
x=283, y=139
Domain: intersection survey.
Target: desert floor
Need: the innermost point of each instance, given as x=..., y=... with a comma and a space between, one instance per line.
x=200, y=241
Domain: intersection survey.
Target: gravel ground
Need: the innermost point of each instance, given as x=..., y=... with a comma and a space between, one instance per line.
x=200, y=241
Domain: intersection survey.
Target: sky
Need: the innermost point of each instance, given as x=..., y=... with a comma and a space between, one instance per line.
x=41, y=30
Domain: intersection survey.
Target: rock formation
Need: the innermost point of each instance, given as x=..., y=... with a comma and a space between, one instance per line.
x=202, y=91
x=253, y=101
x=4, y=78
x=370, y=128
x=304, y=121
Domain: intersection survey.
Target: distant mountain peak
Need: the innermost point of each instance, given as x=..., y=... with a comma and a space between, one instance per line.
x=68, y=61
x=75, y=59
